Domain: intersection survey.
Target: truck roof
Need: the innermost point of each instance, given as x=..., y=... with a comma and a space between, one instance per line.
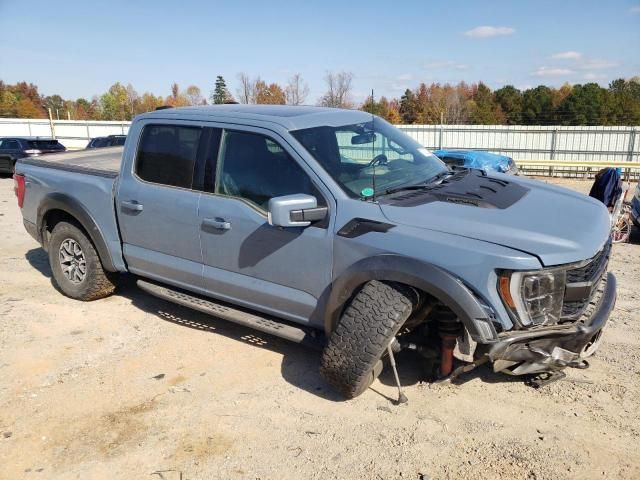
x=287, y=116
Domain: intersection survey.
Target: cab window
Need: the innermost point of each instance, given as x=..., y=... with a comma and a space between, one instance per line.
x=256, y=168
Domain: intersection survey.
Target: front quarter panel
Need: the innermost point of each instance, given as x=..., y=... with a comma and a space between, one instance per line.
x=472, y=262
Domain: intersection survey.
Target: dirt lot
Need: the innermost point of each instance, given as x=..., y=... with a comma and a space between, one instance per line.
x=134, y=387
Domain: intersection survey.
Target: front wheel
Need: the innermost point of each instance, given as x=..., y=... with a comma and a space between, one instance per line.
x=77, y=270
x=352, y=359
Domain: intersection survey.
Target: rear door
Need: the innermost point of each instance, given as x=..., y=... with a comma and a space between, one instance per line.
x=157, y=204
x=283, y=271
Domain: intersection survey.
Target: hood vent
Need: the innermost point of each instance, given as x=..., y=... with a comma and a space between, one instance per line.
x=471, y=188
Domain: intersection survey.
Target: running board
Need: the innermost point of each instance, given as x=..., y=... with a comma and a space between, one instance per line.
x=279, y=328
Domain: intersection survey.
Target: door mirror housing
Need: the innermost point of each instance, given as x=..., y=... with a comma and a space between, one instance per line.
x=297, y=210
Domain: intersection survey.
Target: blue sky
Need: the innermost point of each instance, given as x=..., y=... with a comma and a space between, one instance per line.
x=78, y=49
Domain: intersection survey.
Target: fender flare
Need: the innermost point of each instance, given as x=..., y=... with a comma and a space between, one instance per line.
x=424, y=276
x=70, y=205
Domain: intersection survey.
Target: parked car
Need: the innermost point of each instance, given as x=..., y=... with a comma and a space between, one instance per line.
x=13, y=148
x=478, y=159
x=249, y=214
x=635, y=206
x=108, y=141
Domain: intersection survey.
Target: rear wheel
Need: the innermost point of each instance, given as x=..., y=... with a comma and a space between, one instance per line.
x=352, y=359
x=77, y=270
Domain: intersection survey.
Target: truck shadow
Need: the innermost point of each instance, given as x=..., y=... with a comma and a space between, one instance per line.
x=39, y=260
x=299, y=367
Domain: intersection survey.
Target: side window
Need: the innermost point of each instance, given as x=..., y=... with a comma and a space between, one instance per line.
x=167, y=154
x=9, y=145
x=255, y=168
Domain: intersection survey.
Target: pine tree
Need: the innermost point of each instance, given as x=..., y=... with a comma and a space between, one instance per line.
x=220, y=93
x=408, y=107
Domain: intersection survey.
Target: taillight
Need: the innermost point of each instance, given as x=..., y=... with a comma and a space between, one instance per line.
x=19, y=188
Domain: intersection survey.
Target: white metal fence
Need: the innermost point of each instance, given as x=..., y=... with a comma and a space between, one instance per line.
x=580, y=144
x=520, y=142
x=71, y=133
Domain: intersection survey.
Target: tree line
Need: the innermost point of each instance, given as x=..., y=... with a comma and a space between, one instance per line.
x=588, y=104
x=463, y=103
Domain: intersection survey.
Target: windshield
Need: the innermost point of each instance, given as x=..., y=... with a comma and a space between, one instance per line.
x=354, y=154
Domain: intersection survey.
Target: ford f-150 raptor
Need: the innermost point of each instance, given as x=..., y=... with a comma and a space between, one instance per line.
x=329, y=227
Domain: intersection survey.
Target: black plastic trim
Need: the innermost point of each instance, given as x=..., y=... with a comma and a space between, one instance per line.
x=359, y=226
x=468, y=187
x=68, y=204
x=426, y=277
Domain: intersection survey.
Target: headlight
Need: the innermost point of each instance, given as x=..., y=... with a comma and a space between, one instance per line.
x=533, y=298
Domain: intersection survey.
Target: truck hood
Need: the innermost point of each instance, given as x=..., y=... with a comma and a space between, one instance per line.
x=555, y=224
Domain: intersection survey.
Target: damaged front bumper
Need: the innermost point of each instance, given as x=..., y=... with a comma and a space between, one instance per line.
x=553, y=348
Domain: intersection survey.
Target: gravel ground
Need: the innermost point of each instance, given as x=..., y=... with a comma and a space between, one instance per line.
x=134, y=387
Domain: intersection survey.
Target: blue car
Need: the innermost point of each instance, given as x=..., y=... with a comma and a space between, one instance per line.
x=477, y=159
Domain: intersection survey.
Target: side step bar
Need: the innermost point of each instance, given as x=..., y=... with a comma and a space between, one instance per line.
x=279, y=328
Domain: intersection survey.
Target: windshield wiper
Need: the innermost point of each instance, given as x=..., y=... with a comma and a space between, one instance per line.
x=418, y=186
x=439, y=176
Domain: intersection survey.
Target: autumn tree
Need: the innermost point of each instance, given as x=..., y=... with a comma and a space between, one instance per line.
x=387, y=109
x=26, y=109
x=177, y=98
x=194, y=95
x=338, y=94
x=271, y=94
x=55, y=103
x=149, y=102
x=296, y=91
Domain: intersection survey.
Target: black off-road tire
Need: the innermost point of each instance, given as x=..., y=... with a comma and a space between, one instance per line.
x=97, y=283
x=352, y=358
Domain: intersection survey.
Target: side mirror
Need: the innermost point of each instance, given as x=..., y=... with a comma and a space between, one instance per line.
x=295, y=211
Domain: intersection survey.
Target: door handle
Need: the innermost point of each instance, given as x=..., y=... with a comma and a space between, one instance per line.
x=132, y=206
x=217, y=223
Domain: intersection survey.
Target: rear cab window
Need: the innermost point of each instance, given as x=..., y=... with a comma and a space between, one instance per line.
x=167, y=154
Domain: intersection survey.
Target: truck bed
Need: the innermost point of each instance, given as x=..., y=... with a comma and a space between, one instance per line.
x=100, y=161
x=83, y=181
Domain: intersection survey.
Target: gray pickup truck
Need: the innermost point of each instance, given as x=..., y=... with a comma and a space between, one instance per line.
x=330, y=228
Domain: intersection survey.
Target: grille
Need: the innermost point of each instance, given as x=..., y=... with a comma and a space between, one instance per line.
x=594, y=269
x=590, y=276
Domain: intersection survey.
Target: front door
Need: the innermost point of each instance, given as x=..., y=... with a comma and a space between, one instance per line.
x=158, y=206
x=283, y=271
